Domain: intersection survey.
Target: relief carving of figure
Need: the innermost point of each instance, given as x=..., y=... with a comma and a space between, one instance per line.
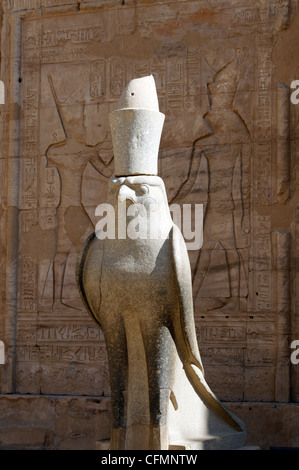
x=219, y=277
x=70, y=157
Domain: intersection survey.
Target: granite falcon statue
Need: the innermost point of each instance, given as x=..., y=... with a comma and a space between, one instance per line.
x=137, y=287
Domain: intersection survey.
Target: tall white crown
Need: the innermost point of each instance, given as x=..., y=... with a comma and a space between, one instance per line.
x=136, y=127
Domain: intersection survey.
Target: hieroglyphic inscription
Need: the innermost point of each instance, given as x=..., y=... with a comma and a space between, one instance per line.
x=175, y=82
x=243, y=354
x=245, y=15
x=29, y=219
x=262, y=289
x=50, y=352
x=261, y=334
x=295, y=253
x=98, y=78
x=52, y=3
x=238, y=355
x=283, y=321
x=62, y=331
x=224, y=333
x=30, y=140
x=283, y=143
x=49, y=195
x=176, y=69
x=48, y=38
x=237, y=343
x=64, y=356
x=193, y=74
x=263, y=120
x=262, y=191
x=25, y=4
x=117, y=76
x=29, y=283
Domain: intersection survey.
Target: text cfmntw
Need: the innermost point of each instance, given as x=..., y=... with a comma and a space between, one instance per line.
x=150, y=459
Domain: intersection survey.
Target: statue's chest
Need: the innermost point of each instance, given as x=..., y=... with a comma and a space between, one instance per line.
x=133, y=258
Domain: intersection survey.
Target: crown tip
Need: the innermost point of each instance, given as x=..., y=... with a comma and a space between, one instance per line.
x=140, y=93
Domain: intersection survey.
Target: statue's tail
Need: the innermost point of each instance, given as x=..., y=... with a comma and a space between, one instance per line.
x=184, y=333
x=201, y=387
x=194, y=371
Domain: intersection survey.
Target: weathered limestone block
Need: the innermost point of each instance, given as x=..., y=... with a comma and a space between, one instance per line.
x=137, y=287
x=53, y=422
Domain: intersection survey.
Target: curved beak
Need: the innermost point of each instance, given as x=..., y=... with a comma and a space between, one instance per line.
x=126, y=193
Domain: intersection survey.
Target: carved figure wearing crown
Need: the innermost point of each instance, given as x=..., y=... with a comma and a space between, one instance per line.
x=139, y=292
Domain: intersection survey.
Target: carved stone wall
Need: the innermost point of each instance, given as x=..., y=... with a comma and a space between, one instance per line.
x=229, y=143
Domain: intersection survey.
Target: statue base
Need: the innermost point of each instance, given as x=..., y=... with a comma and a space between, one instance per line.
x=208, y=443
x=192, y=424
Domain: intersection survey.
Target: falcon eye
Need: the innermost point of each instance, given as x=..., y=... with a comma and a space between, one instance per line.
x=144, y=189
